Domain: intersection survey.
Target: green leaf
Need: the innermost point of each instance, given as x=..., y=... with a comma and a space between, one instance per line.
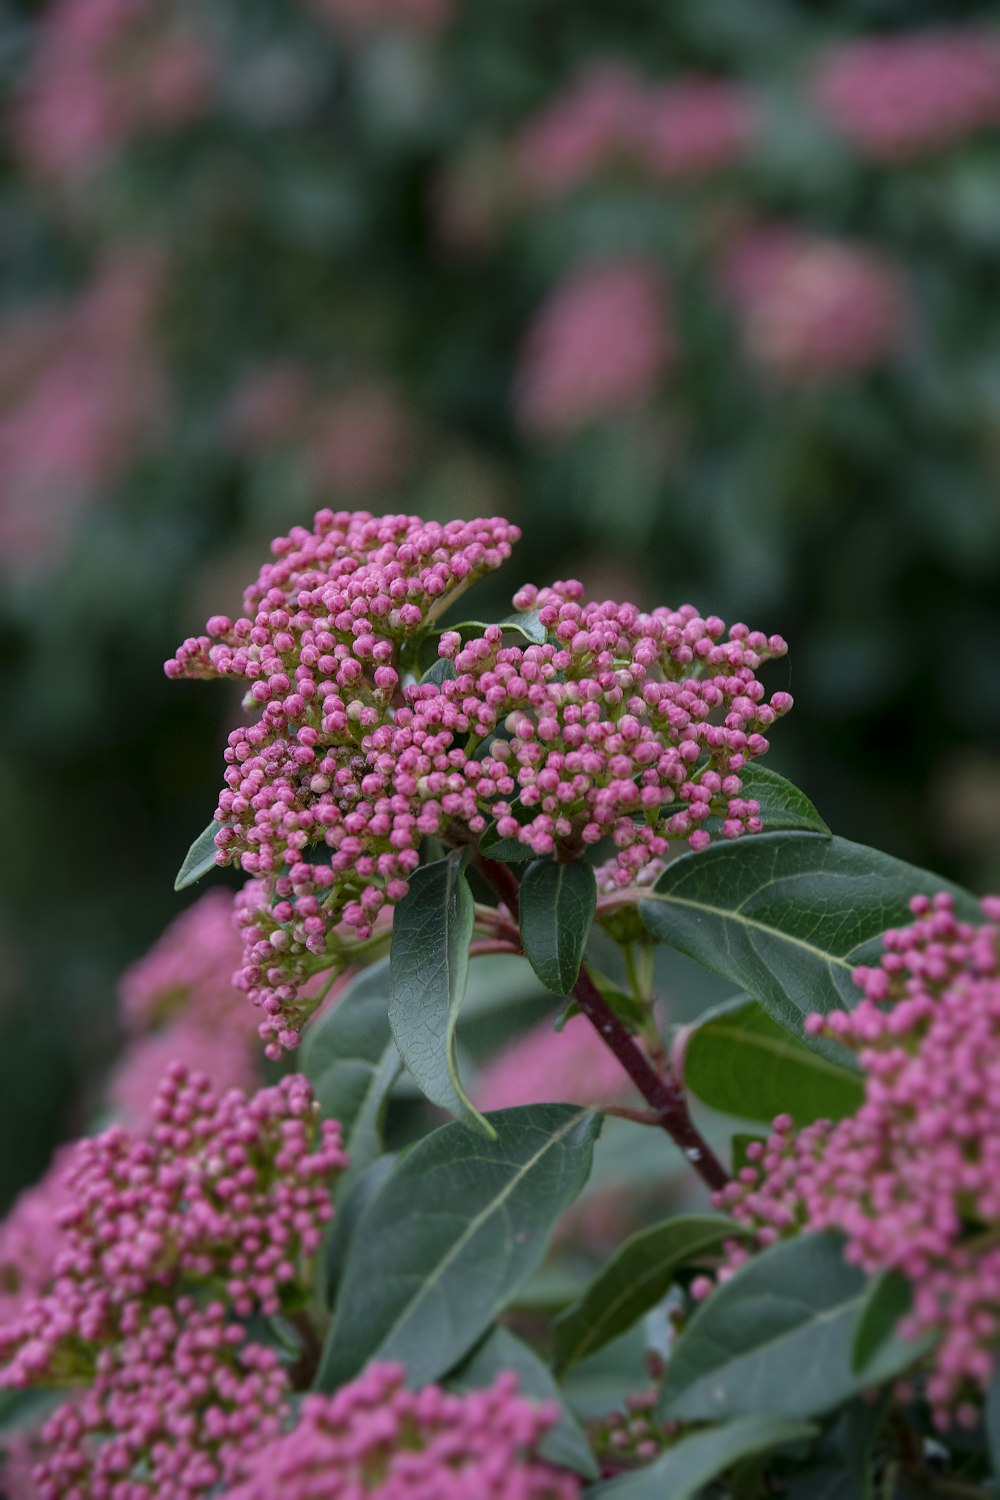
x=442, y=670
x=634, y=1280
x=507, y=850
x=199, y=859
x=457, y=1227
x=28, y=1408
x=828, y=1481
x=889, y=1298
x=777, y=1337
x=350, y=1057
x=565, y=1444
x=428, y=968
x=633, y=1013
x=787, y=916
x=782, y=806
x=854, y=1435
x=685, y=1469
x=527, y=624
x=557, y=909
x=741, y=1061
x=351, y=1208
x=991, y=1419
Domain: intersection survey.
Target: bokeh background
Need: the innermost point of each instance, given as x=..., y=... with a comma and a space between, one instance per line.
x=703, y=295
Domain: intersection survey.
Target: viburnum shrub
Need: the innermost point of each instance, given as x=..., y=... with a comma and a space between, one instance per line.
x=316, y=1288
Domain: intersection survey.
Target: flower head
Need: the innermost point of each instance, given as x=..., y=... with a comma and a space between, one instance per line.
x=228, y=1193
x=374, y=1437
x=898, y=97
x=913, y=1177
x=612, y=722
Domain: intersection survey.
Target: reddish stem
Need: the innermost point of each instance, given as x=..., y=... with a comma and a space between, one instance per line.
x=503, y=880
x=660, y=1091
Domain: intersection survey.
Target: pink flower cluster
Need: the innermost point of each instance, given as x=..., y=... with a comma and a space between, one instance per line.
x=809, y=307
x=622, y=724
x=181, y=1006
x=375, y=1437
x=551, y=1067
x=104, y=71
x=610, y=118
x=30, y=1241
x=913, y=1178
x=226, y=1192
x=81, y=396
x=599, y=345
x=897, y=97
x=171, y=1414
x=189, y=968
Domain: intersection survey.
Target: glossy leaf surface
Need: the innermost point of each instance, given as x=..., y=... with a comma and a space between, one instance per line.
x=787, y=916
x=742, y=1061
x=199, y=860
x=777, y=1337
x=557, y=909
x=634, y=1280
x=428, y=969
x=459, y=1224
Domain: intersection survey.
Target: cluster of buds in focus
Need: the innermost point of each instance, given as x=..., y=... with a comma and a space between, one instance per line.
x=613, y=723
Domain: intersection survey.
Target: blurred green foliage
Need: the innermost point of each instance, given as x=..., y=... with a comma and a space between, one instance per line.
x=340, y=203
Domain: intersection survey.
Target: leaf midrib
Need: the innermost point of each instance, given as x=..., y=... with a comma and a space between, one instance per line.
x=777, y=1045
x=429, y=1284
x=670, y=1263
x=782, y=1336
x=730, y=914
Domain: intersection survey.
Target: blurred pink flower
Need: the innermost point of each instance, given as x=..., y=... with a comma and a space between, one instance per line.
x=600, y=344
x=29, y=1238
x=895, y=97
x=228, y=1052
x=359, y=441
x=592, y=125
x=609, y=117
x=695, y=126
x=572, y=1066
x=103, y=71
x=81, y=395
x=180, y=1005
x=267, y=406
x=812, y=307
x=353, y=442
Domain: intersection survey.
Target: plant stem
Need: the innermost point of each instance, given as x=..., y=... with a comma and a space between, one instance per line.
x=482, y=946
x=660, y=1091
x=503, y=880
